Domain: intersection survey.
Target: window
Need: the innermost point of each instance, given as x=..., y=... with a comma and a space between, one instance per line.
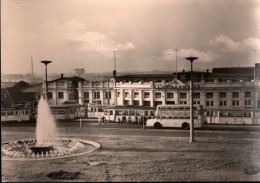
x=49, y=95
x=158, y=95
x=118, y=94
x=247, y=94
x=96, y=95
x=196, y=102
x=147, y=103
x=235, y=94
x=183, y=95
x=86, y=94
x=146, y=94
x=247, y=102
x=209, y=95
x=126, y=102
x=136, y=102
x=223, y=103
x=10, y=113
x=183, y=102
x=170, y=95
x=157, y=103
x=170, y=102
x=196, y=95
x=209, y=113
x=247, y=114
x=86, y=101
x=71, y=96
x=100, y=109
x=60, y=84
x=222, y=94
x=136, y=94
x=107, y=94
x=209, y=103
x=223, y=114
x=235, y=102
x=60, y=95
x=126, y=94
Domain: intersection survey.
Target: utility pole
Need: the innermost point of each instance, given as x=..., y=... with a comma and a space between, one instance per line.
x=191, y=59
x=176, y=64
x=46, y=62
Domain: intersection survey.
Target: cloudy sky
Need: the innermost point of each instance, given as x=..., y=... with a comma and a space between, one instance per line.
x=144, y=34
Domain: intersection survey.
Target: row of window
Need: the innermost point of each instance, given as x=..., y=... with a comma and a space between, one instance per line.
x=208, y=103
x=224, y=103
x=96, y=95
x=183, y=95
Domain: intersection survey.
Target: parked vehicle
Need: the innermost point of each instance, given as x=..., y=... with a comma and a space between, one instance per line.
x=176, y=116
x=131, y=113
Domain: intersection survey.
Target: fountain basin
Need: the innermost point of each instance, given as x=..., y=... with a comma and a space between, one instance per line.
x=61, y=148
x=41, y=149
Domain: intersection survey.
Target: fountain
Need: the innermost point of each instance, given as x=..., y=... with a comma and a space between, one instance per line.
x=45, y=128
x=47, y=145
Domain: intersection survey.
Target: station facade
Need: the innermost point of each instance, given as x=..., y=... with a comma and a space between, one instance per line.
x=223, y=88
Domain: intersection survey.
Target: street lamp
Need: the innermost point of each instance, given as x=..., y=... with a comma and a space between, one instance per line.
x=191, y=59
x=46, y=62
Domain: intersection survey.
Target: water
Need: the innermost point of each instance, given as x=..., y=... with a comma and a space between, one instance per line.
x=45, y=126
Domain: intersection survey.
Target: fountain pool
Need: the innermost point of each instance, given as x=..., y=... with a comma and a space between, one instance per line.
x=47, y=145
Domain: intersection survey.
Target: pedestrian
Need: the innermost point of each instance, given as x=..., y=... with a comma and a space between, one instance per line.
x=123, y=119
x=129, y=119
x=99, y=120
x=115, y=117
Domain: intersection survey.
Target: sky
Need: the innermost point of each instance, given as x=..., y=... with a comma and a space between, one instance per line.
x=143, y=34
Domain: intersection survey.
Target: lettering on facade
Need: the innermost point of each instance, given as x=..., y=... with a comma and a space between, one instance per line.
x=173, y=84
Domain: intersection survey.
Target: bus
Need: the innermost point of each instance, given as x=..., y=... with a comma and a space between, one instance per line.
x=16, y=115
x=95, y=110
x=234, y=116
x=69, y=111
x=176, y=116
x=133, y=114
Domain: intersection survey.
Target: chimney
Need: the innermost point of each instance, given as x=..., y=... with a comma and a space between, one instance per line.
x=257, y=71
x=61, y=76
x=183, y=70
x=114, y=73
x=207, y=70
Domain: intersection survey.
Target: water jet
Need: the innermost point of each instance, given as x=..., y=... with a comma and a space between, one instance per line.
x=47, y=144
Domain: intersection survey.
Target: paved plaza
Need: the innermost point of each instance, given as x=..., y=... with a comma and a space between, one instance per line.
x=134, y=154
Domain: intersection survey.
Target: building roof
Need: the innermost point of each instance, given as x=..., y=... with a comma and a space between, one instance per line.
x=12, y=95
x=7, y=84
x=154, y=77
x=234, y=71
x=21, y=84
x=32, y=89
x=72, y=79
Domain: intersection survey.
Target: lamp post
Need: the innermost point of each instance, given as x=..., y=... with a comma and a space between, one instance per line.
x=46, y=62
x=191, y=59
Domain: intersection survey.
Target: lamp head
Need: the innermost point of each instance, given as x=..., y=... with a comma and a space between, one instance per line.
x=46, y=62
x=191, y=58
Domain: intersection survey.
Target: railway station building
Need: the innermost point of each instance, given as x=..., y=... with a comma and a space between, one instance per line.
x=219, y=92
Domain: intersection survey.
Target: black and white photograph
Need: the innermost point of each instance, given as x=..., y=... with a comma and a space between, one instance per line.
x=130, y=90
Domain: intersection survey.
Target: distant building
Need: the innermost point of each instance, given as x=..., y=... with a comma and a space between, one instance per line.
x=13, y=97
x=64, y=90
x=222, y=89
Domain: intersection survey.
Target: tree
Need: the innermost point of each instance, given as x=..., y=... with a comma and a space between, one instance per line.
x=79, y=71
